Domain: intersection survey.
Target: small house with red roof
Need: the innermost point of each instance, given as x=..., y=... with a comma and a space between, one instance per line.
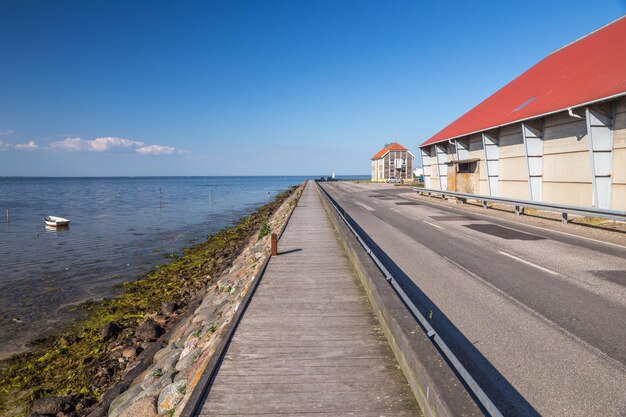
x=393, y=161
x=556, y=133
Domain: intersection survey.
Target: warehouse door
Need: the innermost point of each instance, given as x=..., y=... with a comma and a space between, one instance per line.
x=466, y=177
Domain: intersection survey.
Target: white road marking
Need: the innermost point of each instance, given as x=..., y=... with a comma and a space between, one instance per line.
x=365, y=206
x=433, y=225
x=524, y=261
x=538, y=315
x=395, y=209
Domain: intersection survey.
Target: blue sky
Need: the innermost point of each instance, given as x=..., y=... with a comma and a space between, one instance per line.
x=255, y=87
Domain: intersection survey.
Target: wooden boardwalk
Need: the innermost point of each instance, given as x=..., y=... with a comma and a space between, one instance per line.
x=309, y=343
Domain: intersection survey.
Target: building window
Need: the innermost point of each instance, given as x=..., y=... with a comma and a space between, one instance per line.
x=466, y=167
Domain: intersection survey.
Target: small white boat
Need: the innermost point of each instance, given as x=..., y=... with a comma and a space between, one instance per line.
x=55, y=221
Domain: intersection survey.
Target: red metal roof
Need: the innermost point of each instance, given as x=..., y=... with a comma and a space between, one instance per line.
x=589, y=69
x=393, y=147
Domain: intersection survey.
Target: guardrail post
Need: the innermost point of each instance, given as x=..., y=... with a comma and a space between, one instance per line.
x=274, y=244
x=564, y=218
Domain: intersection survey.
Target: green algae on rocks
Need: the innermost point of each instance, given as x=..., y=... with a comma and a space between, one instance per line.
x=77, y=364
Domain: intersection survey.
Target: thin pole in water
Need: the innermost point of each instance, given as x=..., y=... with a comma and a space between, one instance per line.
x=7, y=215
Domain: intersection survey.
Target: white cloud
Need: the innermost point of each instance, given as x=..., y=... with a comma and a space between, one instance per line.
x=158, y=150
x=21, y=146
x=95, y=145
x=104, y=144
x=112, y=144
x=30, y=145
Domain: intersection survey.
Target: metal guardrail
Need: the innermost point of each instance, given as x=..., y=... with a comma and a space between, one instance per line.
x=521, y=204
x=471, y=383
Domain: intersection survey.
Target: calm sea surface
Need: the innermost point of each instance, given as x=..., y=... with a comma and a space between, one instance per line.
x=120, y=229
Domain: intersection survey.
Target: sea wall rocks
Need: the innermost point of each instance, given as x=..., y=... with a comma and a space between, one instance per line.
x=165, y=386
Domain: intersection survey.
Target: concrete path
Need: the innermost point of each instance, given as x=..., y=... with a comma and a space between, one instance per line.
x=309, y=343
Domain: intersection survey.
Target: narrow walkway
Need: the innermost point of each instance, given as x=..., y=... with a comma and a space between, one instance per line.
x=309, y=343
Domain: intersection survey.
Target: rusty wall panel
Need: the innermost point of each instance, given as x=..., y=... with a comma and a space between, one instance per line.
x=466, y=182
x=451, y=178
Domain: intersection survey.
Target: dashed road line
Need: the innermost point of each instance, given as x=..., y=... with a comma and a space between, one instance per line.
x=524, y=261
x=433, y=225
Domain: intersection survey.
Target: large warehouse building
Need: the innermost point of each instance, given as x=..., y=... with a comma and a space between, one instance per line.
x=556, y=133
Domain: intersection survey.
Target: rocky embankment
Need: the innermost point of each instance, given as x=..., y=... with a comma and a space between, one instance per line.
x=158, y=362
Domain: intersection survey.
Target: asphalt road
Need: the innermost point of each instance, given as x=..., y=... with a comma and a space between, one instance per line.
x=536, y=316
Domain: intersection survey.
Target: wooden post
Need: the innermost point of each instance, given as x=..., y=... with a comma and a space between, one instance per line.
x=274, y=243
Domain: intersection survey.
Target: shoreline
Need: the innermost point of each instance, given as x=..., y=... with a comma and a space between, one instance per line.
x=77, y=363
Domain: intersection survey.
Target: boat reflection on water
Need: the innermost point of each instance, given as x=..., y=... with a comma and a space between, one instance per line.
x=57, y=230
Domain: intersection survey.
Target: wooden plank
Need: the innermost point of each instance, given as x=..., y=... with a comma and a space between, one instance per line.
x=252, y=351
x=331, y=372
x=373, y=387
x=310, y=322
x=322, y=402
x=363, y=378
